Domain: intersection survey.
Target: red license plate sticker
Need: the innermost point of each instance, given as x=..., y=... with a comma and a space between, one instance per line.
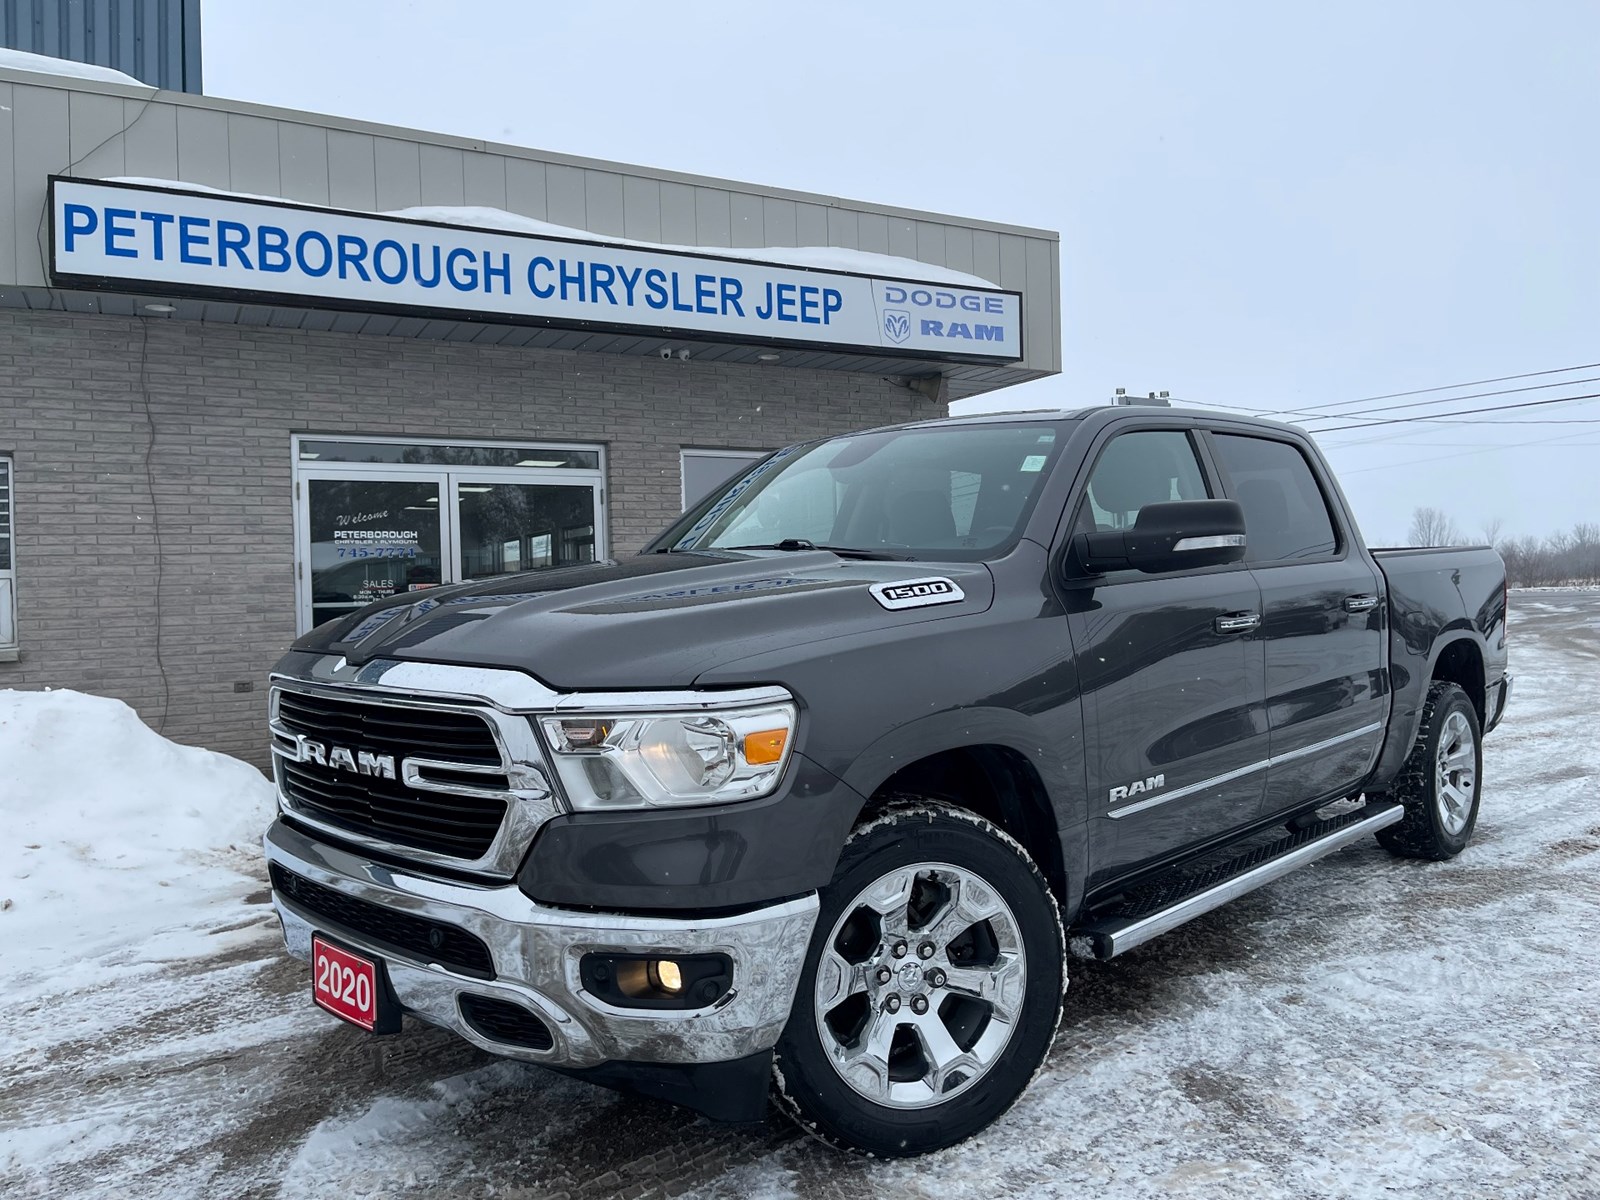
x=345, y=984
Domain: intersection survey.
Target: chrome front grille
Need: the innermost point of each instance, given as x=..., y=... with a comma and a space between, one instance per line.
x=463, y=737
x=453, y=784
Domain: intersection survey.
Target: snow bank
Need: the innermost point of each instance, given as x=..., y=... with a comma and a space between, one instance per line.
x=110, y=834
x=21, y=60
x=821, y=258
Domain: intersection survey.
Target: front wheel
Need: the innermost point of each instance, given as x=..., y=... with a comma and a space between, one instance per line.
x=1440, y=783
x=932, y=988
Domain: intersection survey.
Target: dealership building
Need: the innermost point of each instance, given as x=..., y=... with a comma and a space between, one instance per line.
x=260, y=367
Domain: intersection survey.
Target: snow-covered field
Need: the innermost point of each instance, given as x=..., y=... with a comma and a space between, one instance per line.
x=1366, y=1027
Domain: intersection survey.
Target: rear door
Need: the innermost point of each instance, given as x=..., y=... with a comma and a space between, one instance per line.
x=1323, y=616
x=1171, y=673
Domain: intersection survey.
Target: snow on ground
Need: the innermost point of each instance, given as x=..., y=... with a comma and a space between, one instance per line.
x=113, y=836
x=1366, y=1027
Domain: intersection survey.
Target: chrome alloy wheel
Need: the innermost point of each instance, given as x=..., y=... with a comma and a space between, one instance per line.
x=920, y=985
x=1457, y=767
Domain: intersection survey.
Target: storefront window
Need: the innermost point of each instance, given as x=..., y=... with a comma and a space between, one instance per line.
x=441, y=455
x=508, y=527
x=704, y=471
x=383, y=518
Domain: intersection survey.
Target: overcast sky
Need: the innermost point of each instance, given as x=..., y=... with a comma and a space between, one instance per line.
x=1267, y=205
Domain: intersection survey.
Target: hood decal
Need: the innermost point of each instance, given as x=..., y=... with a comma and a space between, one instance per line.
x=917, y=593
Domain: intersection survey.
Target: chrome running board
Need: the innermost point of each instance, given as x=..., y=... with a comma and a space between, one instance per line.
x=1169, y=901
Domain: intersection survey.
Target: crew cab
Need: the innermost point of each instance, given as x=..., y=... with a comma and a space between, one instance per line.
x=812, y=798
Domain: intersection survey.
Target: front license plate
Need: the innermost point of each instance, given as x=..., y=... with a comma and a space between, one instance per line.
x=347, y=985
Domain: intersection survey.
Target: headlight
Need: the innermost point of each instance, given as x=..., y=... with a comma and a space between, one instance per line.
x=664, y=760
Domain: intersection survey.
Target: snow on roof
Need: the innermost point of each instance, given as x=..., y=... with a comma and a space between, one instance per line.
x=824, y=258
x=111, y=834
x=43, y=64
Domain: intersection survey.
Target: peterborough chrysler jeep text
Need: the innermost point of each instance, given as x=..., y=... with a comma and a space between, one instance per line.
x=814, y=794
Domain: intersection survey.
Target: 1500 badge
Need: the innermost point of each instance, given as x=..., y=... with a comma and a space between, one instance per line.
x=917, y=593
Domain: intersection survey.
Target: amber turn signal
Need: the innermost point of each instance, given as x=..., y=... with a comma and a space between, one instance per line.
x=764, y=747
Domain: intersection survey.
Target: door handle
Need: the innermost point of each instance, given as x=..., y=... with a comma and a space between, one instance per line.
x=1360, y=604
x=1238, y=622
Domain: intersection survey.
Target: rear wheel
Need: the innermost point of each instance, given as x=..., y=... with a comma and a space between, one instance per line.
x=932, y=988
x=1441, y=780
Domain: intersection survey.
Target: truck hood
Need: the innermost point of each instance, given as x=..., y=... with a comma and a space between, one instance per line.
x=655, y=621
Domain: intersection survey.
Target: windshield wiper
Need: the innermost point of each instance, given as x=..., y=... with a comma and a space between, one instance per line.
x=841, y=551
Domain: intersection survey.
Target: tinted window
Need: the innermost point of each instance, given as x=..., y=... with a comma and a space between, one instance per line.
x=1285, y=516
x=1147, y=467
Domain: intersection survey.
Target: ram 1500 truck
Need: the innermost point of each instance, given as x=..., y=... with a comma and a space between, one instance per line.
x=812, y=797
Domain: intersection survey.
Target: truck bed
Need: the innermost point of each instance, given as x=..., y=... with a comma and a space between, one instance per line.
x=1438, y=596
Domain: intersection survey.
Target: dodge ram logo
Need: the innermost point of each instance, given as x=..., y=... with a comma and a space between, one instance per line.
x=357, y=762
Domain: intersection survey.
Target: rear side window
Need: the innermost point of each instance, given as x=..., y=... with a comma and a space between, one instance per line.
x=1285, y=514
x=1148, y=466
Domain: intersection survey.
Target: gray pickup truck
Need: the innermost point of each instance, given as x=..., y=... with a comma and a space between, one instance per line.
x=811, y=798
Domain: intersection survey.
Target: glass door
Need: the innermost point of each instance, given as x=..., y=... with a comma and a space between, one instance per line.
x=380, y=518
x=369, y=539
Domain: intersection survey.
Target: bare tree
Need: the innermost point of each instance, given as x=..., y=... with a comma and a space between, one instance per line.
x=1491, y=531
x=1562, y=558
x=1431, y=527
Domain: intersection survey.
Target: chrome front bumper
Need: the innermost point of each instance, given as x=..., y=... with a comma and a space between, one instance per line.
x=536, y=952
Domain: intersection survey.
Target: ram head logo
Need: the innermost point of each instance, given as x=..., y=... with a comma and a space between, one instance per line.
x=896, y=325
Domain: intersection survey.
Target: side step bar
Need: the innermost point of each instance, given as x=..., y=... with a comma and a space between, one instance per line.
x=1165, y=905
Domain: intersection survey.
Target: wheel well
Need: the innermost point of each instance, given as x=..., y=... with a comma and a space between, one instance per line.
x=1000, y=785
x=1461, y=663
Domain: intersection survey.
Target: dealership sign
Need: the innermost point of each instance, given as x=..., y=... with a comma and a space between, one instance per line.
x=165, y=241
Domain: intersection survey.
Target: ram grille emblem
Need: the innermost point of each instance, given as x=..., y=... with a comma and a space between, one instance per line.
x=357, y=762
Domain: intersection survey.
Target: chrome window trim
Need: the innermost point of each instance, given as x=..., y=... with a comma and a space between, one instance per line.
x=1241, y=772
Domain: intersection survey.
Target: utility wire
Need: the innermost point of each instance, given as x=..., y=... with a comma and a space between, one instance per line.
x=1393, y=408
x=1394, y=439
x=1446, y=387
x=1465, y=412
x=1412, y=462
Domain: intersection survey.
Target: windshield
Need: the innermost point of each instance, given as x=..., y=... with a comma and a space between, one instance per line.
x=943, y=492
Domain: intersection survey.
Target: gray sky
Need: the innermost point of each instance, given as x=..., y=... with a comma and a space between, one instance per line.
x=1264, y=205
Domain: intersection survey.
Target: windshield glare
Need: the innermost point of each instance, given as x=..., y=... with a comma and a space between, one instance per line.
x=953, y=492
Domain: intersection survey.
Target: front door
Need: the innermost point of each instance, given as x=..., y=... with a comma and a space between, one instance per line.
x=375, y=519
x=1171, y=672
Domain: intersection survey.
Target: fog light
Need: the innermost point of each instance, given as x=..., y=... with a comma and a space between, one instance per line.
x=667, y=976
x=628, y=981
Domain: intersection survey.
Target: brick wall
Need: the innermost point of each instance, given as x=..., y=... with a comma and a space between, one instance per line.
x=223, y=401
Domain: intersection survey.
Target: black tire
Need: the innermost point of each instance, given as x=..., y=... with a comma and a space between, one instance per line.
x=1432, y=827
x=909, y=833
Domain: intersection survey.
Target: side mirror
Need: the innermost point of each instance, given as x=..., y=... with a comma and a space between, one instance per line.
x=1171, y=536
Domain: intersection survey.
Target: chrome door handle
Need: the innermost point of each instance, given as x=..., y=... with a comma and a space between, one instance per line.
x=1360, y=604
x=1238, y=622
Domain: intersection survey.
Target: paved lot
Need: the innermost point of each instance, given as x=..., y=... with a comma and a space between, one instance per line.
x=1366, y=1027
